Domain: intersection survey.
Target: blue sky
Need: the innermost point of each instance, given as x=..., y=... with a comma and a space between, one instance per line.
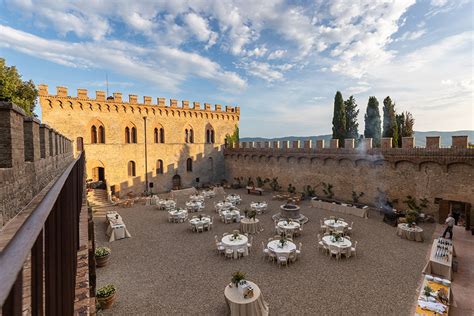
x=280, y=61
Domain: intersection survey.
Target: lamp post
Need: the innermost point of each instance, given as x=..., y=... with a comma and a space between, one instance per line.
x=146, y=160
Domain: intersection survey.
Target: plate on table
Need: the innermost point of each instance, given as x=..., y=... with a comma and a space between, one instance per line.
x=438, y=280
x=446, y=282
x=429, y=277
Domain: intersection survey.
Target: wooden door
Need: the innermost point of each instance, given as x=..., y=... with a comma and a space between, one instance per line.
x=444, y=209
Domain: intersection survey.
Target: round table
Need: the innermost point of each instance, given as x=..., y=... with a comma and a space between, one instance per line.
x=167, y=203
x=196, y=198
x=197, y=221
x=234, y=213
x=194, y=206
x=335, y=225
x=177, y=214
x=240, y=306
x=209, y=193
x=251, y=226
x=259, y=207
x=241, y=241
x=343, y=245
x=223, y=205
x=410, y=233
x=288, y=226
x=276, y=247
x=234, y=199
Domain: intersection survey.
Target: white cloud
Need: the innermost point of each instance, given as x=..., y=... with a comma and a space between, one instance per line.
x=200, y=28
x=263, y=70
x=438, y=3
x=277, y=54
x=163, y=65
x=411, y=36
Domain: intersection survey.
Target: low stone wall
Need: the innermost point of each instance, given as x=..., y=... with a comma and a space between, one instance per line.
x=31, y=155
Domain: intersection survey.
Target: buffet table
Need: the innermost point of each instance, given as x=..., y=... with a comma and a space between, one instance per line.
x=410, y=233
x=240, y=306
x=116, y=228
x=423, y=308
x=441, y=264
x=340, y=208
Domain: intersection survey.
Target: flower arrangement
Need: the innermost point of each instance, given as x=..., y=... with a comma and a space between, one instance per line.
x=200, y=216
x=237, y=277
x=427, y=290
x=235, y=235
x=106, y=291
x=282, y=241
x=252, y=214
x=101, y=252
x=337, y=237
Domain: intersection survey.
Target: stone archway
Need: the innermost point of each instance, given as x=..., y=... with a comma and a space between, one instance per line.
x=176, y=182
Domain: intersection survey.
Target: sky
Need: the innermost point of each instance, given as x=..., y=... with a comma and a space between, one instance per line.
x=280, y=61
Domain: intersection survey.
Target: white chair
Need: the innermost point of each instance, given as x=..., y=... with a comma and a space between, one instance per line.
x=298, y=251
x=340, y=230
x=206, y=226
x=249, y=244
x=229, y=253
x=349, y=229
x=227, y=218
x=354, y=249
x=240, y=252
x=272, y=255
x=323, y=227
x=200, y=227
x=265, y=251
x=334, y=251
x=282, y=259
x=321, y=244
x=292, y=257
x=220, y=248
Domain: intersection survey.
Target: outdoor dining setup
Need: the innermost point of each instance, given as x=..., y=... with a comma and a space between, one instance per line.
x=201, y=223
x=281, y=250
x=177, y=216
x=259, y=207
x=235, y=245
x=233, y=198
x=116, y=228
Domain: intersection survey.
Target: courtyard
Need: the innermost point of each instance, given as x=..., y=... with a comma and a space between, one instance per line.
x=165, y=268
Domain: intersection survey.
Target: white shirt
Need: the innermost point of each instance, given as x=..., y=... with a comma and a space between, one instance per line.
x=450, y=221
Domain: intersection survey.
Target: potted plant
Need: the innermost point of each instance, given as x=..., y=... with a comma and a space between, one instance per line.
x=102, y=256
x=237, y=277
x=252, y=214
x=411, y=217
x=106, y=296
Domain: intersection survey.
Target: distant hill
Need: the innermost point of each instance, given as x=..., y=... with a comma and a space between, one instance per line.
x=420, y=138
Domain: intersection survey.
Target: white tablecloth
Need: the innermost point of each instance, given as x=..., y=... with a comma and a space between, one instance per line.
x=341, y=208
x=196, y=198
x=340, y=244
x=250, y=226
x=234, y=199
x=259, y=207
x=223, y=205
x=410, y=233
x=197, y=221
x=117, y=230
x=235, y=214
x=284, y=225
x=152, y=200
x=194, y=206
x=275, y=246
x=208, y=193
x=166, y=204
x=228, y=241
x=334, y=225
x=240, y=306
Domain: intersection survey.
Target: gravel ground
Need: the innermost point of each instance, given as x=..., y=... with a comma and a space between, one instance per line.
x=166, y=269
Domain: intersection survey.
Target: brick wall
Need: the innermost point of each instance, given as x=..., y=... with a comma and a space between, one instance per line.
x=23, y=170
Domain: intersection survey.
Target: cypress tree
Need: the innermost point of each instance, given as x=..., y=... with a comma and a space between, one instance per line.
x=339, y=119
x=372, y=121
x=352, y=126
x=389, y=121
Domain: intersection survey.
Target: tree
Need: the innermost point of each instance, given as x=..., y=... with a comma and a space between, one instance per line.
x=352, y=126
x=390, y=128
x=233, y=139
x=372, y=121
x=405, y=123
x=13, y=89
x=339, y=119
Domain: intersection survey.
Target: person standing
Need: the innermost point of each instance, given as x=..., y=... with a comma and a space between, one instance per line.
x=449, y=226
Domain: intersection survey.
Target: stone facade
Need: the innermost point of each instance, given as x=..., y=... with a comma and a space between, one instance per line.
x=441, y=173
x=76, y=116
x=31, y=156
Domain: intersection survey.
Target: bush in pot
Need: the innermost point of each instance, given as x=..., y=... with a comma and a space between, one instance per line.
x=106, y=296
x=102, y=256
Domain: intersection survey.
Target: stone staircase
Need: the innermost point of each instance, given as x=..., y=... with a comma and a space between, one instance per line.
x=98, y=200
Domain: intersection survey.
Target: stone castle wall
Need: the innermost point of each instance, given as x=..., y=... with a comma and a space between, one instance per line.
x=74, y=117
x=31, y=156
x=444, y=173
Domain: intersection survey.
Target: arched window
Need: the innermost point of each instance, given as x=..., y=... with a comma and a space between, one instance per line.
x=162, y=135
x=159, y=166
x=186, y=136
x=131, y=168
x=189, y=165
x=93, y=134
x=101, y=135
x=133, y=135
x=212, y=137
x=191, y=136
x=156, y=136
x=208, y=136
x=127, y=135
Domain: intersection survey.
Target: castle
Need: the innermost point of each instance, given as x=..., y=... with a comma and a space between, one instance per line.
x=136, y=147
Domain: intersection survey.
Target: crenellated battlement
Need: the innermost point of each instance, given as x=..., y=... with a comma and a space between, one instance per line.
x=116, y=100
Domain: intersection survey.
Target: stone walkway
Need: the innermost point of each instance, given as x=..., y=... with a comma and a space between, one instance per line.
x=166, y=269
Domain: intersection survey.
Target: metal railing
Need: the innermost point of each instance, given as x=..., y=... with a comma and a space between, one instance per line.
x=50, y=235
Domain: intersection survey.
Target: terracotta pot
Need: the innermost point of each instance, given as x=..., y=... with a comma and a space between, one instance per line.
x=106, y=302
x=102, y=261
